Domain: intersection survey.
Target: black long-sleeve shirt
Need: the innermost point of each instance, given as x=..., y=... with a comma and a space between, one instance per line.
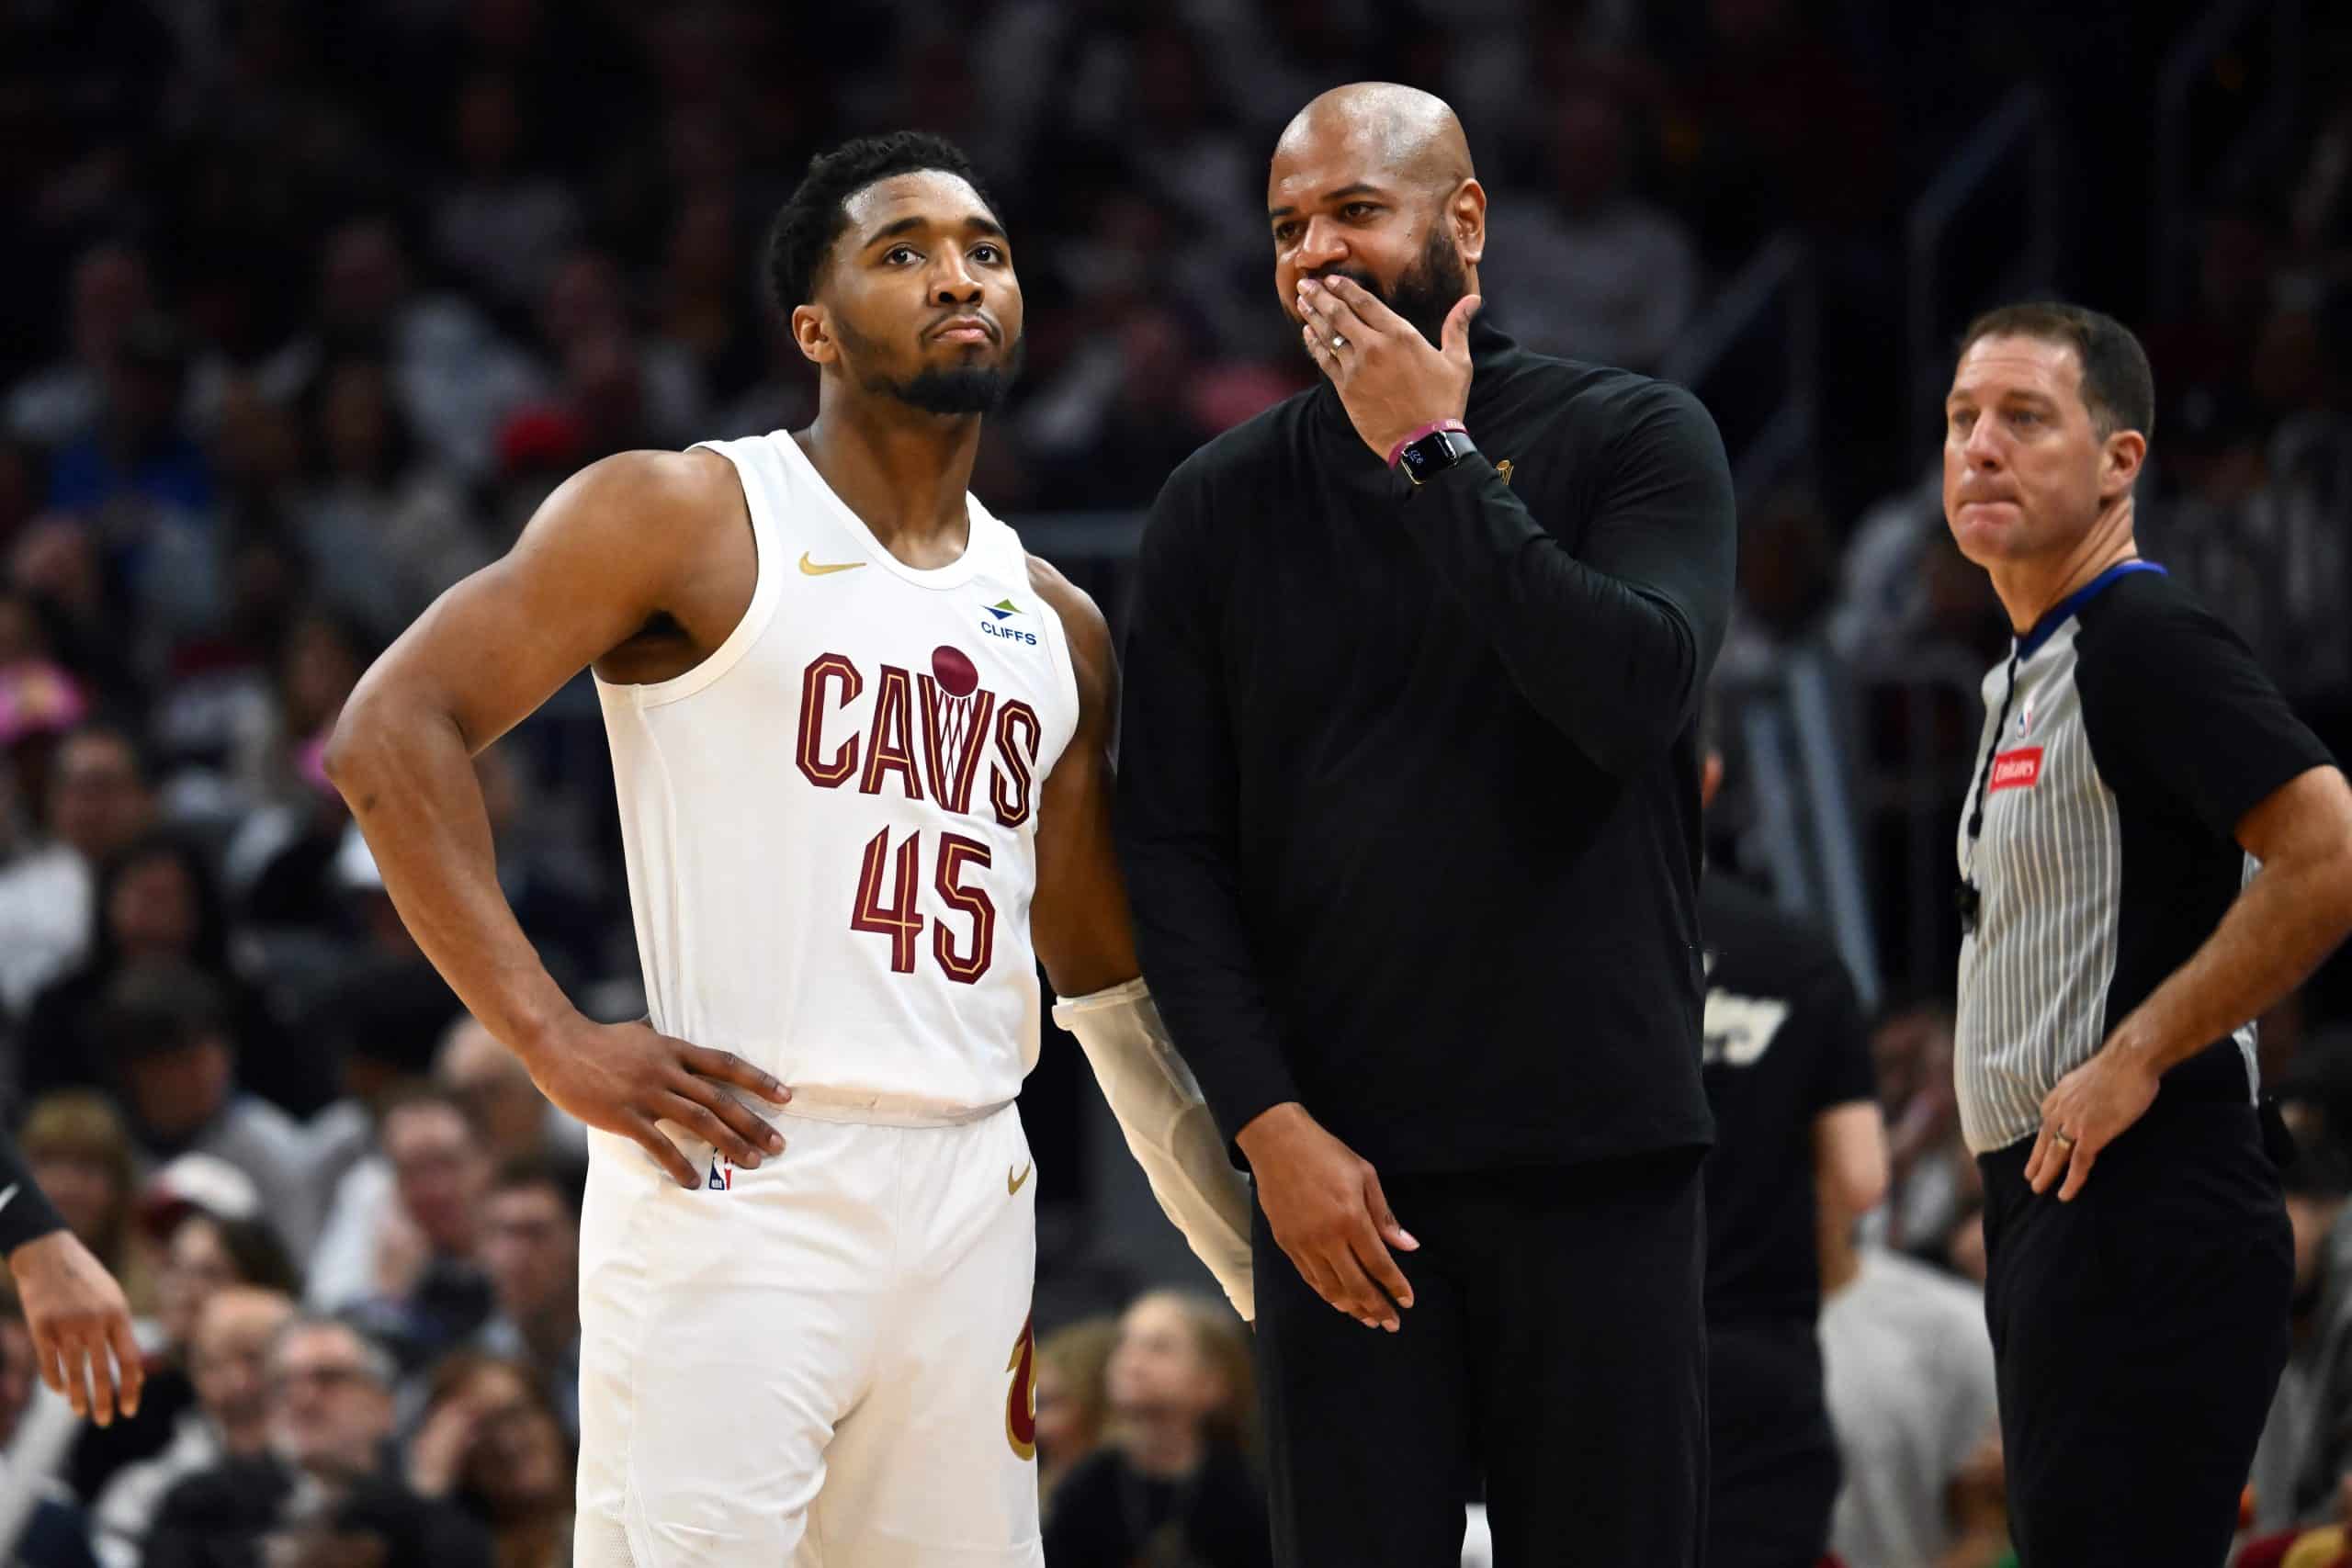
x=1408, y=798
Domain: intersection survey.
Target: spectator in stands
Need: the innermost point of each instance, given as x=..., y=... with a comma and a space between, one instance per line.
x=430, y=1292
x=1932, y=1176
x=457, y=377
x=516, y=1121
x=1907, y=1369
x=204, y=1251
x=384, y=530
x=492, y=1443
x=1176, y=1484
x=170, y=1043
x=1073, y=1365
x=326, y=1479
x=530, y=1247
x=2304, y=1448
x=227, y=1356
x=81, y=1156
x=158, y=903
x=1598, y=273
x=109, y=289
x=100, y=796
x=56, y=1532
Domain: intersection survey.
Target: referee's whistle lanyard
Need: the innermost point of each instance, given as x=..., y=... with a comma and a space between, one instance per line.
x=1972, y=898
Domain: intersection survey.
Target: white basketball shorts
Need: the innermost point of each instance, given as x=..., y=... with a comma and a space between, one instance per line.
x=824, y=1363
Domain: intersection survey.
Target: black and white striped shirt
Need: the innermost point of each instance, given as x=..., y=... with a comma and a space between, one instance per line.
x=2139, y=734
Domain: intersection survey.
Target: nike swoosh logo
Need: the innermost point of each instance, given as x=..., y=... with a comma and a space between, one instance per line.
x=810, y=569
x=1012, y=1184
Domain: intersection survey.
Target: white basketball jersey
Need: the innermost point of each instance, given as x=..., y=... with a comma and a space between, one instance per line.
x=830, y=823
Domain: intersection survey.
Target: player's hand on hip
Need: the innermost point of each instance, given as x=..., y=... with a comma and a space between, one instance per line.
x=1323, y=1205
x=1392, y=380
x=81, y=1326
x=626, y=1077
x=2089, y=1109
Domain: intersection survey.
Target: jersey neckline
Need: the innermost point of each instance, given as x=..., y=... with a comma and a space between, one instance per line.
x=2059, y=614
x=955, y=574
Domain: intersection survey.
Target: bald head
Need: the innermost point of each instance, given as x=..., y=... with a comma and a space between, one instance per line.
x=1372, y=182
x=1409, y=135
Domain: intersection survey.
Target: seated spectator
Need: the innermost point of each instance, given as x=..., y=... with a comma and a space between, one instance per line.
x=491, y=1442
x=98, y=795
x=158, y=901
x=530, y=1247
x=516, y=1121
x=1072, y=1366
x=204, y=1252
x=81, y=1156
x=170, y=1046
x=384, y=531
x=1596, y=274
x=57, y=1532
x=226, y=1356
x=1176, y=1484
x=2305, y=1451
x=325, y=1484
x=1907, y=1371
x=430, y=1293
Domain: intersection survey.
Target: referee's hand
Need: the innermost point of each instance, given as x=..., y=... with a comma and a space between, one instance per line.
x=1323, y=1205
x=2089, y=1109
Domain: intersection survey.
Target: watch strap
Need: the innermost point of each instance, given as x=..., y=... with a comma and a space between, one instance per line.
x=1396, y=453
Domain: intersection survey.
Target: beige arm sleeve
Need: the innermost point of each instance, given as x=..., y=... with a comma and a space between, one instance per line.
x=1169, y=1128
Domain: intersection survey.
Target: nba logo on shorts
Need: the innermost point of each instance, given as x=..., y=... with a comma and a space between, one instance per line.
x=722, y=1172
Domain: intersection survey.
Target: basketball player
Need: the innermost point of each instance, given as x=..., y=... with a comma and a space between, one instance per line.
x=861, y=748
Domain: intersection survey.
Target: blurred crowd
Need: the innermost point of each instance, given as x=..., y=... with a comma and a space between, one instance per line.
x=305, y=310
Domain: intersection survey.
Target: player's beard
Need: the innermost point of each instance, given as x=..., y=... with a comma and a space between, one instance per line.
x=963, y=390
x=1423, y=293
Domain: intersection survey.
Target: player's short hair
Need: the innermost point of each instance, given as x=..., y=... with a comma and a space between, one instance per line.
x=809, y=223
x=2119, y=389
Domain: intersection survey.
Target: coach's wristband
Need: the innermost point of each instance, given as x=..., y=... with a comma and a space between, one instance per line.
x=1431, y=428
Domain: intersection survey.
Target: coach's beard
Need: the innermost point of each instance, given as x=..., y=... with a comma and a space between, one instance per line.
x=1425, y=292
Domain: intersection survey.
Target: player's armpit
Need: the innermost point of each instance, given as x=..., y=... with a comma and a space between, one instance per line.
x=1079, y=921
x=617, y=543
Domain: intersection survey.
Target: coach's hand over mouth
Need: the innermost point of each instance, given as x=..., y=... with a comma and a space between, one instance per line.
x=2089, y=1109
x=1323, y=1205
x=1392, y=380
x=624, y=1078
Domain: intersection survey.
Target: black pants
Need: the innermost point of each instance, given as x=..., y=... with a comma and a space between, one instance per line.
x=1773, y=1456
x=2138, y=1334
x=1557, y=1344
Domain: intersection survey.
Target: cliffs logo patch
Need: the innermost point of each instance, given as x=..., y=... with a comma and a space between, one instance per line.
x=1000, y=612
x=2020, y=769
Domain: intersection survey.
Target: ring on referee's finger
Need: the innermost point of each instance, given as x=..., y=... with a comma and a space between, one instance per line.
x=2063, y=1140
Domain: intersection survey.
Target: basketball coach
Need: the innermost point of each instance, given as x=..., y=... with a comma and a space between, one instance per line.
x=2154, y=852
x=1409, y=812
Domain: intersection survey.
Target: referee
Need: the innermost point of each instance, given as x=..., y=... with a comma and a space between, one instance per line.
x=1408, y=802
x=2154, y=852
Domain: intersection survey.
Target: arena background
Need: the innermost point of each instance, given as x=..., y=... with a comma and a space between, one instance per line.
x=304, y=307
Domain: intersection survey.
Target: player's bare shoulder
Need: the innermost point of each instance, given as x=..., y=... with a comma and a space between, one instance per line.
x=1092, y=656
x=668, y=532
